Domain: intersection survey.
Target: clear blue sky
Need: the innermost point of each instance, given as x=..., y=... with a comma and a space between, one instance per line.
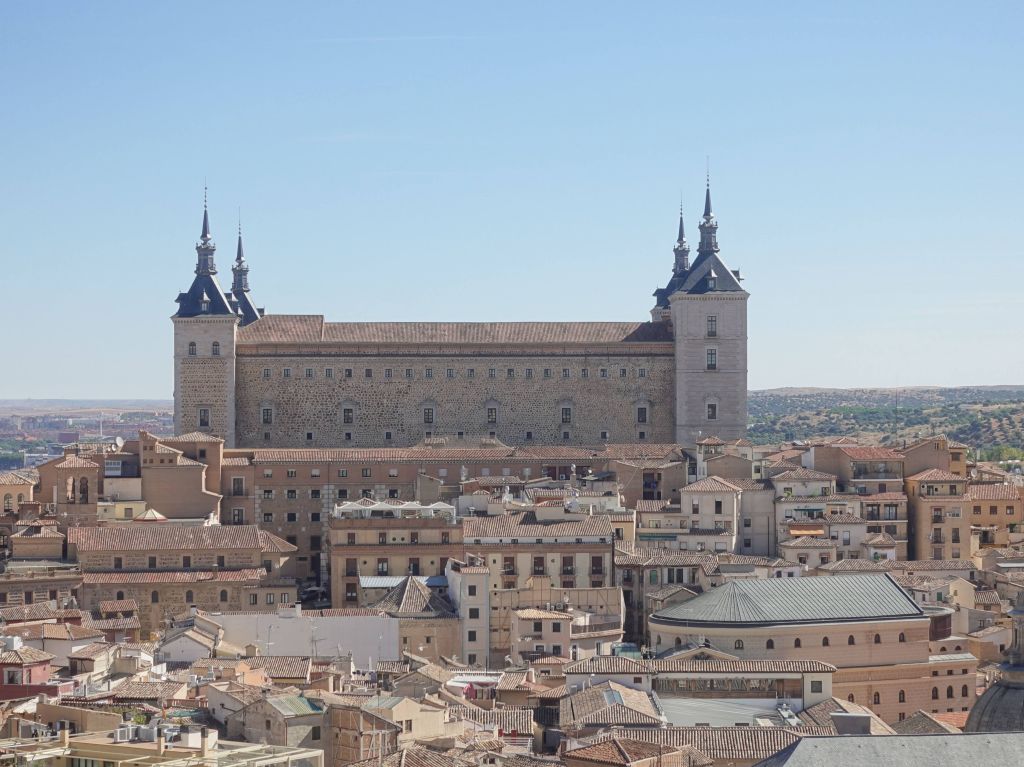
x=521, y=161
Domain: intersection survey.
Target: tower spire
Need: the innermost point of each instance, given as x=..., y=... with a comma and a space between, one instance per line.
x=682, y=248
x=708, y=225
x=240, y=270
x=205, y=247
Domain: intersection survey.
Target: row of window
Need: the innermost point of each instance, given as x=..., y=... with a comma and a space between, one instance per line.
x=285, y=598
x=193, y=350
x=451, y=373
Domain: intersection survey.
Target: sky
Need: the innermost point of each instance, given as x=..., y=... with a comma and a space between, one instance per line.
x=516, y=161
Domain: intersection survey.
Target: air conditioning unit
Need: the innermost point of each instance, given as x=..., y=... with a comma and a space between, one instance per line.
x=122, y=735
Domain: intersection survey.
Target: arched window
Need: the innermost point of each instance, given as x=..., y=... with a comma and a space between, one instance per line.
x=223, y=595
x=770, y=644
x=851, y=640
x=964, y=692
x=878, y=639
x=958, y=648
x=903, y=696
x=191, y=348
x=949, y=691
x=903, y=637
x=824, y=642
x=189, y=597
x=154, y=597
x=215, y=349
x=876, y=699
x=935, y=693
x=850, y=697
x=942, y=649
x=738, y=644
x=679, y=642
x=8, y=502
x=71, y=490
x=797, y=643
x=83, y=489
x=21, y=498
x=119, y=595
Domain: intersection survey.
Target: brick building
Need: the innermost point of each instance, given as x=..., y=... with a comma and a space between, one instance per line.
x=261, y=380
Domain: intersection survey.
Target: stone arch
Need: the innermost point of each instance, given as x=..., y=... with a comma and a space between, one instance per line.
x=215, y=348
x=83, y=489
x=192, y=349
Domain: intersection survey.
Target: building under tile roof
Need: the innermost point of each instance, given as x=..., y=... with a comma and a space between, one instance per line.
x=412, y=599
x=157, y=537
x=725, y=745
x=625, y=751
x=525, y=525
x=784, y=601
x=608, y=704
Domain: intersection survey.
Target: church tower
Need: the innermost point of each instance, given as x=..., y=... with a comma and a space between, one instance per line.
x=205, y=330
x=708, y=310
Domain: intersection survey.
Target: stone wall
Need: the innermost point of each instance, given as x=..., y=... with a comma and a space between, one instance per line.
x=458, y=393
x=205, y=380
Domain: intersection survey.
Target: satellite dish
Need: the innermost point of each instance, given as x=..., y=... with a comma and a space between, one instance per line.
x=119, y=442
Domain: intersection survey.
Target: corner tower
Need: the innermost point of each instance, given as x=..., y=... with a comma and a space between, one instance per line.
x=205, y=331
x=708, y=310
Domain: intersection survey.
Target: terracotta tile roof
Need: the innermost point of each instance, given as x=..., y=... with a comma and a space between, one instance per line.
x=880, y=539
x=993, y=492
x=710, y=485
x=192, y=436
x=176, y=576
x=646, y=506
x=235, y=461
x=76, y=462
x=149, y=691
x=804, y=542
x=414, y=756
x=871, y=453
x=932, y=564
x=627, y=555
x=412, y=598
x=552, y=693
x=156, y=537
x=801, y=475
x=885, y=497
x=13, y=478
x=293, y=328
x=624, y=751
x=609, y=703
x=936, y=475
x=855, y=566
x=114, y=624
x=821, y=714
x=843, y=519
x=24, y=655
x=533, y=614
x=282, y=666
x=711, y=441
x=68, y=631
x=751, y=485
x=747, y=559
x=272, y=543
x=725, y=745
x=956, y=719
x=38, y=531
x=690, y=665
x=523, y=525
x=392, y=667
x=35, y=612
x=118, y=606
x=507, y=719
x=92, y=650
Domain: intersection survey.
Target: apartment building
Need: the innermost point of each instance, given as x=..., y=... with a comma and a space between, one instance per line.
x=166, y=567
x=389, y=538
x=936, y=502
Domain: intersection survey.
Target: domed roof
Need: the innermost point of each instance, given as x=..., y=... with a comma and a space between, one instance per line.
x=1001, y=708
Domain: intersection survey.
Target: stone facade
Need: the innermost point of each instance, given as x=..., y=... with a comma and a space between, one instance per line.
x=297, y=381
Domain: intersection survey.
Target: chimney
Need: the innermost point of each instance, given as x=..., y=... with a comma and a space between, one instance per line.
x=204, y=741
x=64, y=737
x=851, y=724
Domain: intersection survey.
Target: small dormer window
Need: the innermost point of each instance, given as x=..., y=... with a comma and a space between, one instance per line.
x=204, y=306
x=711, y=283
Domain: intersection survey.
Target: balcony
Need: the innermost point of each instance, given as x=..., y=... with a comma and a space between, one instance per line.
x=594, y=627
x=351, y=573
x=568, y=570
x=539, y=571
x=937, y=537
x=936, y=519
x=508, y=570
x=597, y=571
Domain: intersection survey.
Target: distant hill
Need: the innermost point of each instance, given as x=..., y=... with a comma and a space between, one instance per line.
x=63, y=406
x=981, y=416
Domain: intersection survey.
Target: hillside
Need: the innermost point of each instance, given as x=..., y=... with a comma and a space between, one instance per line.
x=986, y=417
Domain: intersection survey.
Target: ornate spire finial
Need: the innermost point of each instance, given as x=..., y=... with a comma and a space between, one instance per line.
x=205, y=247
x=240, y=269
x=708, y=225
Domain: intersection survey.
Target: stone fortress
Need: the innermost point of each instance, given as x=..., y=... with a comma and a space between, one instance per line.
x=288, y=381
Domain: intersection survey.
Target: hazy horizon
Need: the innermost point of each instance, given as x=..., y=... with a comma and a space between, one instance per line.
x=485, y=163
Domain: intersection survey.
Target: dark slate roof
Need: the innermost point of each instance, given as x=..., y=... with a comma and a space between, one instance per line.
x=190, y=302
x=244, y=307
x=794, y=600
x=902, y=750
x=695, y=279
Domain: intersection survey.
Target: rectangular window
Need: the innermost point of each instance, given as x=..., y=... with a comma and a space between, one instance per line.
x=348, y=372
x=252, y=599
x=585, y=373
x=641, y=373
x=152, y=563
x=117, y=563
x=291, y=494
x=238, y=516
x=428, y=373
x=565, y=372
x=408, y=372
x=348, y=415
x=712, y=326
x=603, y=372
x=368, y=373
x=291, y=516
x=470, y=373
x=266, y=372
x=342, y=473
x=547, y=372
x=387, y=372
x=492, y=415
x=471, y=591
x=428, y=415
x=186, y=563
x=641, y=415
x=510, y=373
x=268, y=516
x=712, y=359
x=268, y=415
x=292, y=473
x=566, y=415
x=450, y=373
x=287, y=372
x=368, y=472
x=712, y=411
x=309, y=372
x=204, y=417
x=328, y=372
x=270, y=599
